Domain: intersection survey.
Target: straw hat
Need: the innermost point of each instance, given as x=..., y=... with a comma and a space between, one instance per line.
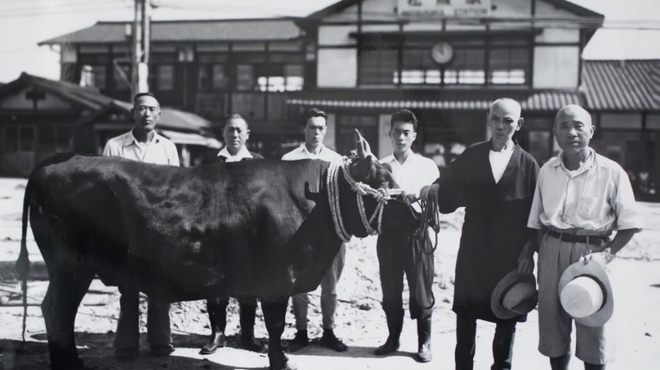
x=586, y=294
x=514, y=295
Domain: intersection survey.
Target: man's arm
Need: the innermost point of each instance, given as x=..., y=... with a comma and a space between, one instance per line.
x=526, y=258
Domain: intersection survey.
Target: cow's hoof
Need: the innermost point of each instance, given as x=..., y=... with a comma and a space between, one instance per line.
x=127, y=354
x=216, y=342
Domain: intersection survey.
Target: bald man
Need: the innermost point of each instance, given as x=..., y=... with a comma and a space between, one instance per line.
x=580, y=199
x=495, y=182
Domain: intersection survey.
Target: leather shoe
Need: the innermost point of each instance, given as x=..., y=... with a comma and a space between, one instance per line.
x=217, y=341
x=299, y=341
x=331, y=341
x=127, y=354
x=251, y=344
x=161, y=351
x=391, y=345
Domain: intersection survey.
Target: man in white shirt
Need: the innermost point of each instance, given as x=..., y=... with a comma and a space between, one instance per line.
x=411, y=172
x=142, y=144
x=314, y=127
x=581, y=198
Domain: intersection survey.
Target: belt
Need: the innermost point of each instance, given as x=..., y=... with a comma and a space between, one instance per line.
x=586, y=239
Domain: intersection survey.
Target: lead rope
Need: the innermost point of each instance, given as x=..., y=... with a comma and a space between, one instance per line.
x=361, y=190
x=423, y=250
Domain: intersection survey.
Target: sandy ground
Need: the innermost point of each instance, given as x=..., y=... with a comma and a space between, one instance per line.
x=360, y=321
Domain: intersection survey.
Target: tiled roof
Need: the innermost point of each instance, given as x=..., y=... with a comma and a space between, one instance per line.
x=530, y=100
x=188, y=30
x=88, y=97
x=622, y=85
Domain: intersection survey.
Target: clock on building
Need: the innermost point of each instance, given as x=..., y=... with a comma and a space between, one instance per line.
x=442, y=52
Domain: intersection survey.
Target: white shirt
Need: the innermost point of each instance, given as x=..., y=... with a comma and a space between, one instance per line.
x=499, y=161
x=159, y=150
x=301, y=152
x=242, y=153
x=414, y=173
x=595, y=199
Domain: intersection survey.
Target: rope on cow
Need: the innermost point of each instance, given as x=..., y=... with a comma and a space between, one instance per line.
x=361, y=190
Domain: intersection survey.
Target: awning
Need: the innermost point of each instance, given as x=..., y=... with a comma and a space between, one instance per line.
x=530, y=100
x=190, y=139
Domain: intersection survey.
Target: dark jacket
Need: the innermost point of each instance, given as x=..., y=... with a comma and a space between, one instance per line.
x=495, y=228
x=214, y=158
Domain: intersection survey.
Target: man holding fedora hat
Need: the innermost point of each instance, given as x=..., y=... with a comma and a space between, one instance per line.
x=580, y=198
x=495, y=182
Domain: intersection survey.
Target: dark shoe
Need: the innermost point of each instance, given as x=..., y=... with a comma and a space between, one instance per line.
x=251, y=344
x=299, y=341
x=331, y=341
x=127, y=354
x=161, y=351
x=391, y=345
x=424, y=340
x=217, y=341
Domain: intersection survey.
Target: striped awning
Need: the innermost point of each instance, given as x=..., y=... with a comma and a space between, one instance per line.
x=459, y=100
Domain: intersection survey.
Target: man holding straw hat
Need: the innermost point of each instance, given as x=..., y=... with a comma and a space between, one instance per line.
x=580, y=198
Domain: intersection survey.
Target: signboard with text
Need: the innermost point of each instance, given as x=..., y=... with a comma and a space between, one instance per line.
x=445, y=8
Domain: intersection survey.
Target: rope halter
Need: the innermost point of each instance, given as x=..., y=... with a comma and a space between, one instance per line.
x=361, y=190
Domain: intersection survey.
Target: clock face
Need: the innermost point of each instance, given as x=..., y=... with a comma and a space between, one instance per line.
x=442, y=52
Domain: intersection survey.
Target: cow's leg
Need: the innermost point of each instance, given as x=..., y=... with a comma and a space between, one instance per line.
x=274, y=310
x=65, y=291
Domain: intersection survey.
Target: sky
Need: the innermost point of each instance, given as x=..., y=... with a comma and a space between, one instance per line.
x=23, y=24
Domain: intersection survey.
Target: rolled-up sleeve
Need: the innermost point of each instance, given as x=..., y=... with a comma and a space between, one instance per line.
x=534, y=220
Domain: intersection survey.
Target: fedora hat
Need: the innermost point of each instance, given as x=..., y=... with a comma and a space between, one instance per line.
x=586, y=294
x=514, y=295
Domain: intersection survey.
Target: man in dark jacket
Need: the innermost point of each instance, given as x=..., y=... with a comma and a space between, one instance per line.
x=235, y=134
x=495, y=182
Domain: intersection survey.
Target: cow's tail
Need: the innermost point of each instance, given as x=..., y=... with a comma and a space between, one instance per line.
x=23, y=262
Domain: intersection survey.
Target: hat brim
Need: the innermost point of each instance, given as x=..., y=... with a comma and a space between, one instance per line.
x=595, y=271
x=509, y=279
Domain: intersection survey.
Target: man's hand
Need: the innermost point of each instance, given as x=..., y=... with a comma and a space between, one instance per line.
x=603, y=257
x=526, y=258
x=429, y=192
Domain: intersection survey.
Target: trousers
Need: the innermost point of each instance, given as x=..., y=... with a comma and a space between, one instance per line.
x=128, y=327
x=328, y=295
x=466, y=329
x=395, y=257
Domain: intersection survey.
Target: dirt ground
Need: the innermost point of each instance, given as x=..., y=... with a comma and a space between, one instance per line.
x=635, y=275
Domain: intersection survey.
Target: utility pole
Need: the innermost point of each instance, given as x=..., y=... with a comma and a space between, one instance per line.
x=140, y=47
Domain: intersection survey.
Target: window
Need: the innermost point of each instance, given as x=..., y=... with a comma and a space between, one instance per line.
x=278, y=78
x=165, y=77
x=11, y=139
x=508, y=65
x=203, y=78
x=507, y=62
x=244, y=77
x=220, y=79
x=93, y=76
x=378, y=66
x=119, y=82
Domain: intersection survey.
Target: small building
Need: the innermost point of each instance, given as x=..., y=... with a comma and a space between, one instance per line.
x=41, y=117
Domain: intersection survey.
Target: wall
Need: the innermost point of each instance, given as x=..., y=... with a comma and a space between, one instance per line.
x=556, y=67
x=329, y=139
x=384, y=143
x=337, y=68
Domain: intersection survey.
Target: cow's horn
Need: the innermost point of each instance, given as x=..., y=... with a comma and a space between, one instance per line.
x=362, y=145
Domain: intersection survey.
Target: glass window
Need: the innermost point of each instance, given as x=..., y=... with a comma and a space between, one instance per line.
x=294, y=75
x=508, y=66
x=165, y=77
x=467, y=67
x=93, y=75
x=378, y=67
x=121, y=83
x=220, y=79
x=203, y=78
x=244, y=77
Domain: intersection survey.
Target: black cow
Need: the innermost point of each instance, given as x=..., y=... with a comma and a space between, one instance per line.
x=259, y=228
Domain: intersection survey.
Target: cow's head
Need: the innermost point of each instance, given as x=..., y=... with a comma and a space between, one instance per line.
x=366, y=169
